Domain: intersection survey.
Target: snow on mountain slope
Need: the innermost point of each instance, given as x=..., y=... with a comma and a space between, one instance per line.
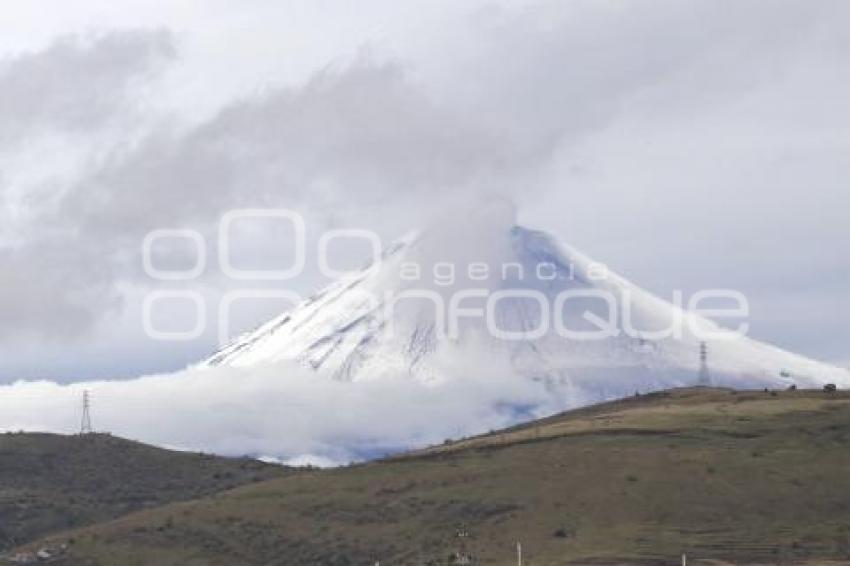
x=406, y=317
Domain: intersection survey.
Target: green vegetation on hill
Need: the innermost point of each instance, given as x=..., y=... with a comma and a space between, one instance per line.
x=51, y=482
x=742, y=477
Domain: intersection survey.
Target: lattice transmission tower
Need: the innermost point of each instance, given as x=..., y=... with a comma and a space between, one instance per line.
x=704, y=378
x=85, y=421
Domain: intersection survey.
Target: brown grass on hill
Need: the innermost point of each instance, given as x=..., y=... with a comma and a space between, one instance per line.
x=724, y=476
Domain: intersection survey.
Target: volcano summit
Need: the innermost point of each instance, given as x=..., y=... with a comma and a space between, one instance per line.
x=480, y=287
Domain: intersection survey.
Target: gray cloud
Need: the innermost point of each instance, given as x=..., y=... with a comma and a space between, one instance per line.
x=353, y=136
x=78, y=83
x=624, y=128
x=286, y=411
x=357, y=135
x=567, y=70
x=53, y=282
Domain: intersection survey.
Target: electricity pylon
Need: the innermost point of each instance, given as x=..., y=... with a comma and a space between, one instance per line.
x=704, y=379
x=85, y=422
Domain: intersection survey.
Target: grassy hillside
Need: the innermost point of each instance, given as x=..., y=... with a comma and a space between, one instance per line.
x=743, y=477
x=50, y=482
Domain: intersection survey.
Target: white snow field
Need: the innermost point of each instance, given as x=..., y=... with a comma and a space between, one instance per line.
x=421, y=312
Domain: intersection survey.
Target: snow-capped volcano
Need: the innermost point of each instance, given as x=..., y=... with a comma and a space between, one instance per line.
x=477, y=292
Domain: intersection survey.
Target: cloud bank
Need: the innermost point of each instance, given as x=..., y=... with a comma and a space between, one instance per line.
x=283, y=411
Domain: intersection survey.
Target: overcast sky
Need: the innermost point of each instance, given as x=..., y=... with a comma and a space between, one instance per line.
x=685, y=144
